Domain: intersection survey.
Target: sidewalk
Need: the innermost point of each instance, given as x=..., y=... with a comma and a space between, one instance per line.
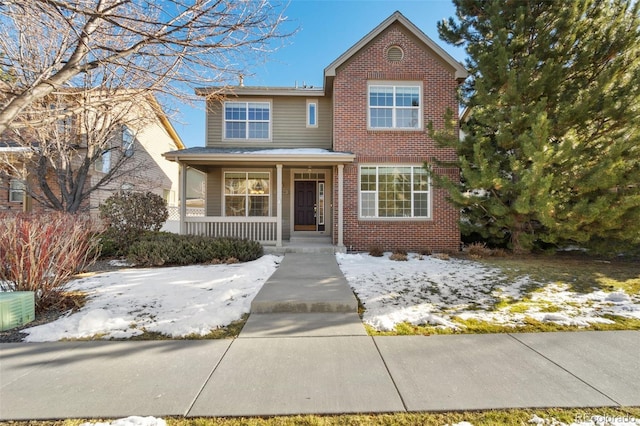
x=316, y=361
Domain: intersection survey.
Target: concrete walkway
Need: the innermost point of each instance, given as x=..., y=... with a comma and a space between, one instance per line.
x=316, y=360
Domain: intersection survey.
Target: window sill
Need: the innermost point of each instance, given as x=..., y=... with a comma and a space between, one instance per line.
x=230, y=141
x=395, y=220
x=392, y=130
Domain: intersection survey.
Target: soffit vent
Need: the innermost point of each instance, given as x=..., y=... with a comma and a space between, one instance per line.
x=395, y=54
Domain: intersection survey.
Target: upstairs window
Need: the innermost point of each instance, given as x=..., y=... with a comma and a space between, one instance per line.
x=312, y=113
x=395, y=106
x=103, y=163
x=128, y=139
x=247, y=120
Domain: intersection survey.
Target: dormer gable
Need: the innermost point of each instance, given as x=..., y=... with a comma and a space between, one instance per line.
x=394, y=53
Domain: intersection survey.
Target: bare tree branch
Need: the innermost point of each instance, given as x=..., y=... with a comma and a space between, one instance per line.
x=167, y=46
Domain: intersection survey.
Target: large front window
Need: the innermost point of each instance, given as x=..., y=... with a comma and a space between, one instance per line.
x=247, y=120
x=394, y=106
x=246, y=193
x=394, y=192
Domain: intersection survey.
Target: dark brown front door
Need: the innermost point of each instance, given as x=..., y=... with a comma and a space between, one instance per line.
x=305, y=210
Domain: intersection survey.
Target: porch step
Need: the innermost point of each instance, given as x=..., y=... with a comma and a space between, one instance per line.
x=303, y=248
x=305, y=283
x=307, y=239
x=304, y=244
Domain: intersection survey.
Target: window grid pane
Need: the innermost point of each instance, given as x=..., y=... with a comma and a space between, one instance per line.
x=259, y=205
x=368, y=203
x=258, y=130
x=381, y=117
x=234, y=206
x=407, y=96
x=236, y=130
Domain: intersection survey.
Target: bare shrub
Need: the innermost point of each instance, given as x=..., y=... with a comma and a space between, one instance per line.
x=376, y=251
x=425, y=251
x=499, y=252
x=478, y=250
x=399, y=255
x=441, y=256
x=41, y=252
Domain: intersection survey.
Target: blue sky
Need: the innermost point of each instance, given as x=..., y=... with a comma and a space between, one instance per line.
x=326, y=29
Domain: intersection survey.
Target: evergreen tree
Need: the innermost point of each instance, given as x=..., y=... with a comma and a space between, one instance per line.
x=552, y=147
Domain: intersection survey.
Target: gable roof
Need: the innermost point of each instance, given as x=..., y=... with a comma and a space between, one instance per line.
x=460, y=71
x=164, y=120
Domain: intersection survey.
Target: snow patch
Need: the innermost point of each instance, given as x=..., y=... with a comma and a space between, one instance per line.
x=174, y=301
x=130, y=421
x=430, y=291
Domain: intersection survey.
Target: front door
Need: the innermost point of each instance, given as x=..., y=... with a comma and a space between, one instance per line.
x=305, y=207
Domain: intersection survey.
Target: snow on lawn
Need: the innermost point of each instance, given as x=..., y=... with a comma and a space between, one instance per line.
x=593, y=421
x=535, y=420
x=428, y=290
x=175, y=301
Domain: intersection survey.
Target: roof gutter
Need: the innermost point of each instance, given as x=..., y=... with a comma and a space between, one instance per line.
x=262, y=158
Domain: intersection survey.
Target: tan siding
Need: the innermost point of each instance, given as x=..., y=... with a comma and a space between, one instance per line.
x=214, y=192
x=214, y=123
x=289, y=125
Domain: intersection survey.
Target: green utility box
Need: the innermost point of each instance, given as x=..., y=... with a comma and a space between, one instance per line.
x=16, y=308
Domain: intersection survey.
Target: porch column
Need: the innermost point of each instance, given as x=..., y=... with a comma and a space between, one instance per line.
x=279, y=205
x=340, y=205
x=182, y=196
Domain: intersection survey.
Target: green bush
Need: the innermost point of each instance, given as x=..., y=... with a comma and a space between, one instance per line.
x=161, y=248
x=128, y=215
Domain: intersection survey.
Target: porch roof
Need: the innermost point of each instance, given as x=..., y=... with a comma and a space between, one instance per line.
x=262, y=156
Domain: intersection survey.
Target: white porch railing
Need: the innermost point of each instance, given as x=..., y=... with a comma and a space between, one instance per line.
x=261, y=229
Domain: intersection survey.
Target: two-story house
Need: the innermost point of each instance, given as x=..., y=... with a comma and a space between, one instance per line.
x=147, y=134
x=345, y=160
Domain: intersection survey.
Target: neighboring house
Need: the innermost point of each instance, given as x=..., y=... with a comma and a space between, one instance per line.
x=12, y=194
x=143, y=141
x=345, y=160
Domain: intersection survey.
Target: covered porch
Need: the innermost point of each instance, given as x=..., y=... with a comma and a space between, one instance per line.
x=279, y=197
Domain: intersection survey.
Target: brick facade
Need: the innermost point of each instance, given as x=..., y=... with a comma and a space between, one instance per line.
x=394, y=147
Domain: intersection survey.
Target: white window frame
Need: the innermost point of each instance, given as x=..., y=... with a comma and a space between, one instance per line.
x=247, y=195
x=312, y=114
x=103, y=164
x=376, y=193
x=394, y=85
x=128, y=141
x=246, y=120
x=16, y=191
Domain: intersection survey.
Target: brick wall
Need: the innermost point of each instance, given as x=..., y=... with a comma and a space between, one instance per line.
x=7, y=206
x=387, y=147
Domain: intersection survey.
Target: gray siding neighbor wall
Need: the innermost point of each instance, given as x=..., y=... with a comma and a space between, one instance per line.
x=288, y=124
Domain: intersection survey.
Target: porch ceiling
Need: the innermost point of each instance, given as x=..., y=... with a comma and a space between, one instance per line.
x=284, y=156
